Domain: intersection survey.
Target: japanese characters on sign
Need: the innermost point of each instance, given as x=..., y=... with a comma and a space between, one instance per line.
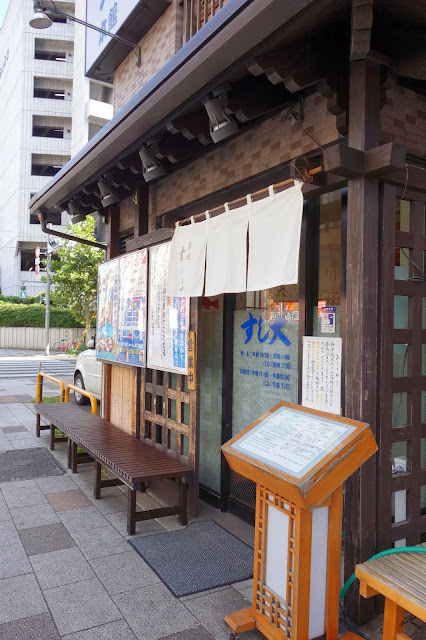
x=168, y=318
x=108, y=15
x=292, y=441
x=265, y=364
x=192, y=379
x=322, y=374
x=121, y=325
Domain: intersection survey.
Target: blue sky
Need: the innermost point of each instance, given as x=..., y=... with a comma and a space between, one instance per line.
x=3, y=6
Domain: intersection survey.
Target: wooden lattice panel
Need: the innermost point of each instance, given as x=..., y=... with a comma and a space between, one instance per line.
x=402, y=426
x=267, y=604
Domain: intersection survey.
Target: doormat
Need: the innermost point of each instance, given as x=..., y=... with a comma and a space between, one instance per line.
x=203, y=556
x=27, y=464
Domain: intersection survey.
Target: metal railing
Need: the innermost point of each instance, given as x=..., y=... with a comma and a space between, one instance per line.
x=39, y=396
x=82, y=392
x=196, y=13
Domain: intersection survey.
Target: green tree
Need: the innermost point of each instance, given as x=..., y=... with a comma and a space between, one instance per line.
x=75, y=273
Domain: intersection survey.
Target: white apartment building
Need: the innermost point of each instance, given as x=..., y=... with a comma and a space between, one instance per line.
x=48, y=111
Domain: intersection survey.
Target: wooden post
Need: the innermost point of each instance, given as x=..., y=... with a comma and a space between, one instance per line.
x=362, y=317
x=113, y=250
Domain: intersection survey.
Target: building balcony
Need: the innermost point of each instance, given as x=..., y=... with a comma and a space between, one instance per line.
x=99, y=112
x=196, y=13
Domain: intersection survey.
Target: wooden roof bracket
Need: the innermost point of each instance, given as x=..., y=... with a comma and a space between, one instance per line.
x=348, y=162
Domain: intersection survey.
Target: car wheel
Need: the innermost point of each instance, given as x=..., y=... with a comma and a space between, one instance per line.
x=78, y=397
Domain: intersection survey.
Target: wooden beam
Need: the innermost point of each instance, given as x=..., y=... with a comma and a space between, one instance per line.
x=192, y=125
x=142, y=210
x=362, y=22
x=343, y=160
x=347, y=161
x=149, y=239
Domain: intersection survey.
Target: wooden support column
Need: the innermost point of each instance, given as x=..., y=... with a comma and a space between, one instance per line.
x=361, y=356
x=113, y=250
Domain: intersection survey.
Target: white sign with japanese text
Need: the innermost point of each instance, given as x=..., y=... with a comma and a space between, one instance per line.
x=292, y=441
x=109, y=15
x=168, y=317
x=322, y=374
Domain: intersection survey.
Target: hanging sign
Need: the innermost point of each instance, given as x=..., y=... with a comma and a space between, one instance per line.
x=322, y=374
x=121, y=325
x=168, y=317
x=192, y=378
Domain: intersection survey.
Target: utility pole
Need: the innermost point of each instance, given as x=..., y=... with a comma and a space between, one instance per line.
x=47, y=313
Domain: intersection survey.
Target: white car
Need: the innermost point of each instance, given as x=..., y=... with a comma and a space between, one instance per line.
x=88, y=374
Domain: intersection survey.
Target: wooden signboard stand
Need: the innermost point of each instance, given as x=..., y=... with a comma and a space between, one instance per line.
x=299, y=459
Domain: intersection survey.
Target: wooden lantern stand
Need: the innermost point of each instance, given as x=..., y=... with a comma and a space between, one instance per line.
x=299, y=459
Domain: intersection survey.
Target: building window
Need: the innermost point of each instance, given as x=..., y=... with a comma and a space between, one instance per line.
x=46, y=164
x=54, y=56
x=27, y=259
x=52, y=94
x=45, y=169
x=48, y=132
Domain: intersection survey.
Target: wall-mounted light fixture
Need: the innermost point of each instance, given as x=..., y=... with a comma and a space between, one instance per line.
x=108, y=196
x=151, y=167
x=42, y=19
x=221, y=125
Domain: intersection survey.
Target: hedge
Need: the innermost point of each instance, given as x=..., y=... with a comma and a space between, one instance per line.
x=33, y=315
x=17, y=300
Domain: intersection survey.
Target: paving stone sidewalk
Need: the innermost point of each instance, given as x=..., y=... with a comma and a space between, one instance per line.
x=67, y=570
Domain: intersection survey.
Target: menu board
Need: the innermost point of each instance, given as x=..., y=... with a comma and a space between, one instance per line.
x=168, y=317
x=322, y=374
x=292, y=441
x=121, y=322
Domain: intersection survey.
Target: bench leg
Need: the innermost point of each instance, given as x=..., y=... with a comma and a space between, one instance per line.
x=183, y=515
x=38, y=425
x=74, y=457
x=69, y=453
x=131, y=511
x=52, y=437
x=97, y=484
x=393, y=622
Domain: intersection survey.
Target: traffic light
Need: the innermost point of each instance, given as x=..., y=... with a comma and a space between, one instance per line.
x=23, y=290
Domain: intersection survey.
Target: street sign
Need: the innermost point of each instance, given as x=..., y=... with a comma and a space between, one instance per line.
x=36, y=261
x=37, y=252
x=37, y=271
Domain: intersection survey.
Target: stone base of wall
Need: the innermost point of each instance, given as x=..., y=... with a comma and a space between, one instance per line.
x=33, y=338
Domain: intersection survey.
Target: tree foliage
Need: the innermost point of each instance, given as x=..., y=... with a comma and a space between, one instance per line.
x=75, y=274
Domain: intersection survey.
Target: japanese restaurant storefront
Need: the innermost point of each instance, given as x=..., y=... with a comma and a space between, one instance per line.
x=354, y=289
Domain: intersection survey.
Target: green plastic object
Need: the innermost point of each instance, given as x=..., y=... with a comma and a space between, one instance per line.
x=388, y=552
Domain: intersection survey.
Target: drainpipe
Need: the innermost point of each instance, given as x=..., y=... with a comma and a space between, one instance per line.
x=67, y=236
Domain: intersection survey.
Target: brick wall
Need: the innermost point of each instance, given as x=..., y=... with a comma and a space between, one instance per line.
x=128, y=210
x=157, y=47
x=271, y=143
x=403, y=119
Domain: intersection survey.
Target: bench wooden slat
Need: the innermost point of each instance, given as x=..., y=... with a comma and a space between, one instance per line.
x=132, y=460
x=401, y=578
x=136, y=461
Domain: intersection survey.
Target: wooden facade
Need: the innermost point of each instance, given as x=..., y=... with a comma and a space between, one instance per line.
x=357, y=108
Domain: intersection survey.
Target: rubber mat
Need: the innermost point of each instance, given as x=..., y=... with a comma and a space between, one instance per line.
x=201, y=557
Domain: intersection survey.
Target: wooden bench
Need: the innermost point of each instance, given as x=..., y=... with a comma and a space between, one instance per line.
x=401, y=578
x=132, y=461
